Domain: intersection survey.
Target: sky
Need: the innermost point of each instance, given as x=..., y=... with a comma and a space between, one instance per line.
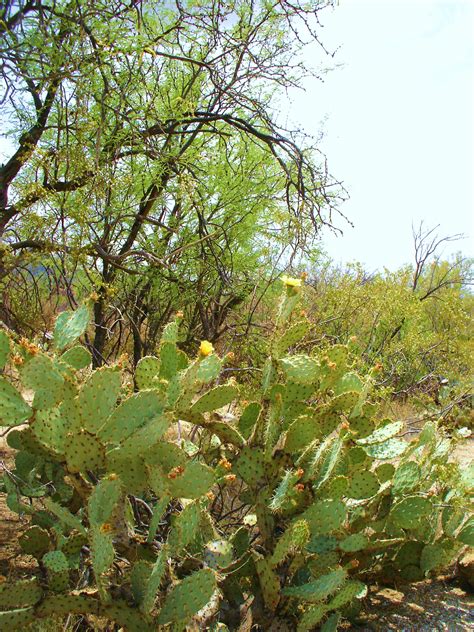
x=397, y=116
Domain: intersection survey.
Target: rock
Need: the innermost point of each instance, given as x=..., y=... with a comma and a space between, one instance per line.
x=466, y=568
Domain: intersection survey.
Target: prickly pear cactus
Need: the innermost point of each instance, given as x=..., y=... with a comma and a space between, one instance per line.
x=147, y=491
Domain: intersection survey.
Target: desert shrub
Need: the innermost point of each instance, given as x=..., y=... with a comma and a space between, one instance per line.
x=149, y=504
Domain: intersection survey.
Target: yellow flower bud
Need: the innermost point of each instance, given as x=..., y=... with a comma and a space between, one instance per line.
x=291, y=282
x=205, y=348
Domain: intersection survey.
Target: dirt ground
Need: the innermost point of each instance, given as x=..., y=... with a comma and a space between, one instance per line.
x=441, y=604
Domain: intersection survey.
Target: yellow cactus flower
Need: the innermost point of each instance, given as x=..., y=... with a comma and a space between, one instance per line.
x=205, y=348
x=291, y=281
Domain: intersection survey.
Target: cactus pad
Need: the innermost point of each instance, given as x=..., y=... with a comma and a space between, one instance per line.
x=293, y=539
x=345, y=402
x=382, y=434
x=154, y=580
x=103, y=500
x=269, y=582
x=406, y=477
x=84, y=451
x=184, y=529
x=13, y=408
x=215, y=398
x=4, y=348
x=98, y=396
x=311, y=618
x=300, y=368
x=16, y=619
x=319, y=589
x=291, y=336
x=35, y=541
x=57, y=568
x=77, y=357
x=363, y=484
x=353, y=589
x=25, y=592
x=218, y=554
x=248, y=419
x=133, y=413
x=147, y=369
x=388, y=450
x=188, y=597
x=195, y=481
x=466, y=535
x=385, y=472
x=348, y=382
x=69, y=326
x=411, y=511
x=39, y=375
x=250, y=466
x=325, y=516
x=353, y=543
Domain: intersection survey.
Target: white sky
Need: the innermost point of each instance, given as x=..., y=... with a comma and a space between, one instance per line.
x=398, y=122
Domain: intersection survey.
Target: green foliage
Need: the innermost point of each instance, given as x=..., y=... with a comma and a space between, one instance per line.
x=166, y=501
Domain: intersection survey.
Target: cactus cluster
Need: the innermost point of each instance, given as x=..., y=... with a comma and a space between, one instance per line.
x=283, y=515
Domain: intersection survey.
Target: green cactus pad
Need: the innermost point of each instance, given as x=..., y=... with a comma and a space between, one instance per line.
x=451, y=519
x=39, y=375
x=348, y=382
x=131, y=470
x=284, y=491
x=248, y=419
x=196, y=480
x=184, y=528
x=102, y=552
x=77, y=357
x=385, y=472
x=345, y=402
x=57, y=568
x=409, y=512
x=154, y=580
x=357, y=457
x=353, y=589
x=311, y=618
x=133, y=413
x=4, y=348
x=324, y=516
x=139, y=578
x=434, y=556
x=321, y=544
x=466, y=535
x=146, y=370
x=188, y=597
x=98, y=396
x=301, y=433
x=167, y=455
x=382, y=434
x=339, y=354
x=412, y=573
x=215, y=398
x=22, y=593
x=225, y=432
x=363, y=484
x=325, y=461
x=319, y=589
x=172, y=360
x=148, y=435
x=362, y=426
x=335, y=487
x=16, y=619
x=218, y=554
x=70, y=325
x=388, y=450
x=103, y=500
x=208, y=369
x=35, y=541
x=13, y=408
x=49, y=429
x=407, y=477
x=293, y=540
x=353, y=543
x=73, y=544
x=250, y=466
x=269, y=582
x=84, y=451
x=64, y=515
x=296, y=392
x=291, y=336
x=300, y=368
x=158, y=512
